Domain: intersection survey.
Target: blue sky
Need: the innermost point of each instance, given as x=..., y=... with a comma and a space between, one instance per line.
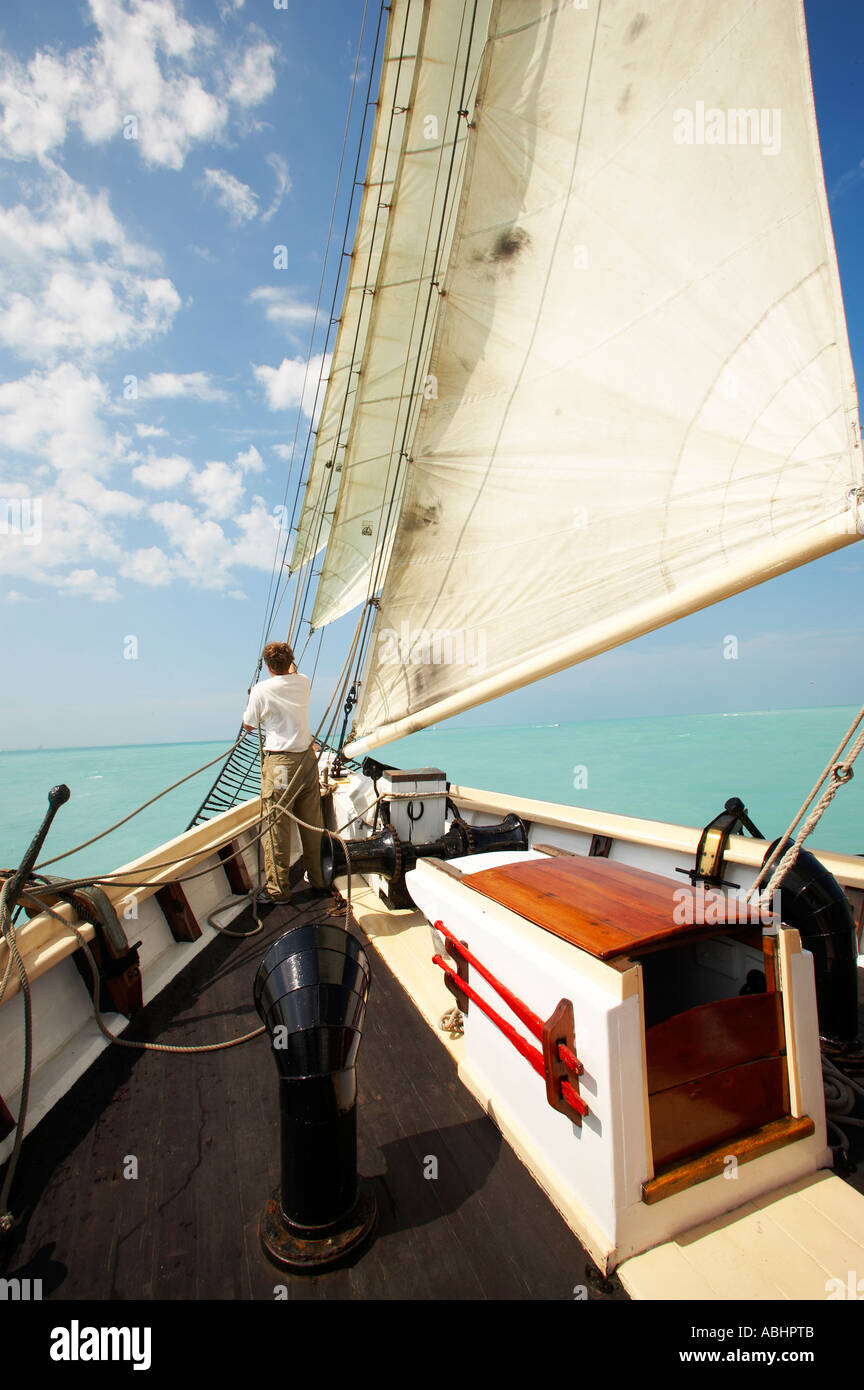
x=151, y=363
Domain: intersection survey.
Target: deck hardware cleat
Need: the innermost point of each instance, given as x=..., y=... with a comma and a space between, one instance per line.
x=57, y=797
x=389, y=855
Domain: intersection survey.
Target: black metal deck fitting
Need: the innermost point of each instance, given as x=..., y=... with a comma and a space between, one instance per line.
x=811, y=899
x=57, y=797
x=310, y=991
x=384, y=853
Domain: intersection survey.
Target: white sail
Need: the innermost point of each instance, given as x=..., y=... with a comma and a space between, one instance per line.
x=386, y=146
x=391, y=379
x=645, y=394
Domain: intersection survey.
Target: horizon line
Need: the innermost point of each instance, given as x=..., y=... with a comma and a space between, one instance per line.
x=543, y=724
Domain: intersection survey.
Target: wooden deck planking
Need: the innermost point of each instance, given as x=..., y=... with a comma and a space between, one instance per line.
x=782, y=1245
x=133, y=1236
x=205, y=1131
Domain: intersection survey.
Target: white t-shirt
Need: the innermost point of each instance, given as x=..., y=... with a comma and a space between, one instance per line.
x=281, y=706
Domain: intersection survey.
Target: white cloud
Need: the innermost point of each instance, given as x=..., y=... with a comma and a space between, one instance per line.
x=282, y=308
x=86, y=312
x=121, y=448
x=202, y=547
x=71, y=281
x=258, y=535
x=83, y=487
x=291, y=384
x=68, y=536
x=283, y=450
x=162, y=473
x=87, y=584
x=235, y=197
x=250, y=459
x=283, y=185
x=218, y=487
x=848, y=180
x=256, y=547
x=149, y=566
x=56, y=415
x=149, y=431
x=146, y=62
x=252, y=79
x=37, y=101
x=205, y=555
x=67, y=218
x=189, y=385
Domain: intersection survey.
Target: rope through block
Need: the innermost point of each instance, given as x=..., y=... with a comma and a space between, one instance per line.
x=557, y=1063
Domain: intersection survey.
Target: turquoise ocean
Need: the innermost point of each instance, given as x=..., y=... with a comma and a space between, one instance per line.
x=675, y=768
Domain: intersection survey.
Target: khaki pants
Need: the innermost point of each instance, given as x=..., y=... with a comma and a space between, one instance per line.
x=290, y=780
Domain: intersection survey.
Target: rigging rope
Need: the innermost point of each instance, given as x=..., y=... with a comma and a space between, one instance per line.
x=232, y=781
x=6, y=1218
x=840, y=1089
x=411, y=395
x=270, y=608
x=383, y=531
x=838, y=771
x=446, y=211
x=841, y=1092
x=301, y=594
x=7, y=929
x=43, y=863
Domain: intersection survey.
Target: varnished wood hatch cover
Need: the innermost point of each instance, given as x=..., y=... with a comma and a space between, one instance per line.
x=605, y=908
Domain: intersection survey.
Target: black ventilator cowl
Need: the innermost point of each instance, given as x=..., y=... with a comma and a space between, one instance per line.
x=311, y=991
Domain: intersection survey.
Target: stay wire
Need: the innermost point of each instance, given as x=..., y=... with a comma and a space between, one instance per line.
x=380, y=546
x=278, y=565
x=412, y=416
x=325, y=482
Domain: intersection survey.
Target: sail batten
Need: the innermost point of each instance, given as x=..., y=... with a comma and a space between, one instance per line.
x=645, y=395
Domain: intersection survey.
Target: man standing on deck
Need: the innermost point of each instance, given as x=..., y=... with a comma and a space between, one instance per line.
x=289, y=772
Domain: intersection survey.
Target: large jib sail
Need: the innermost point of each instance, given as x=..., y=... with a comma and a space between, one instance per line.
x=645, y=397
x=334, y=421
x=404, y=227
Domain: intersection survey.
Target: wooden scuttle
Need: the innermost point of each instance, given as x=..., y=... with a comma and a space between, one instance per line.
x=716, y=1072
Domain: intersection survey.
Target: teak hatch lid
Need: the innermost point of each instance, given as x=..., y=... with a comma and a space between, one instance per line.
x=605, y=908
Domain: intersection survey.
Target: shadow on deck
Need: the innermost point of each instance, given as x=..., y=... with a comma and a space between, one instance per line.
x=203, y=1133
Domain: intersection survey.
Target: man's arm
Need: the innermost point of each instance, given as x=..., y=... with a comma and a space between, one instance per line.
x=251, y=712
